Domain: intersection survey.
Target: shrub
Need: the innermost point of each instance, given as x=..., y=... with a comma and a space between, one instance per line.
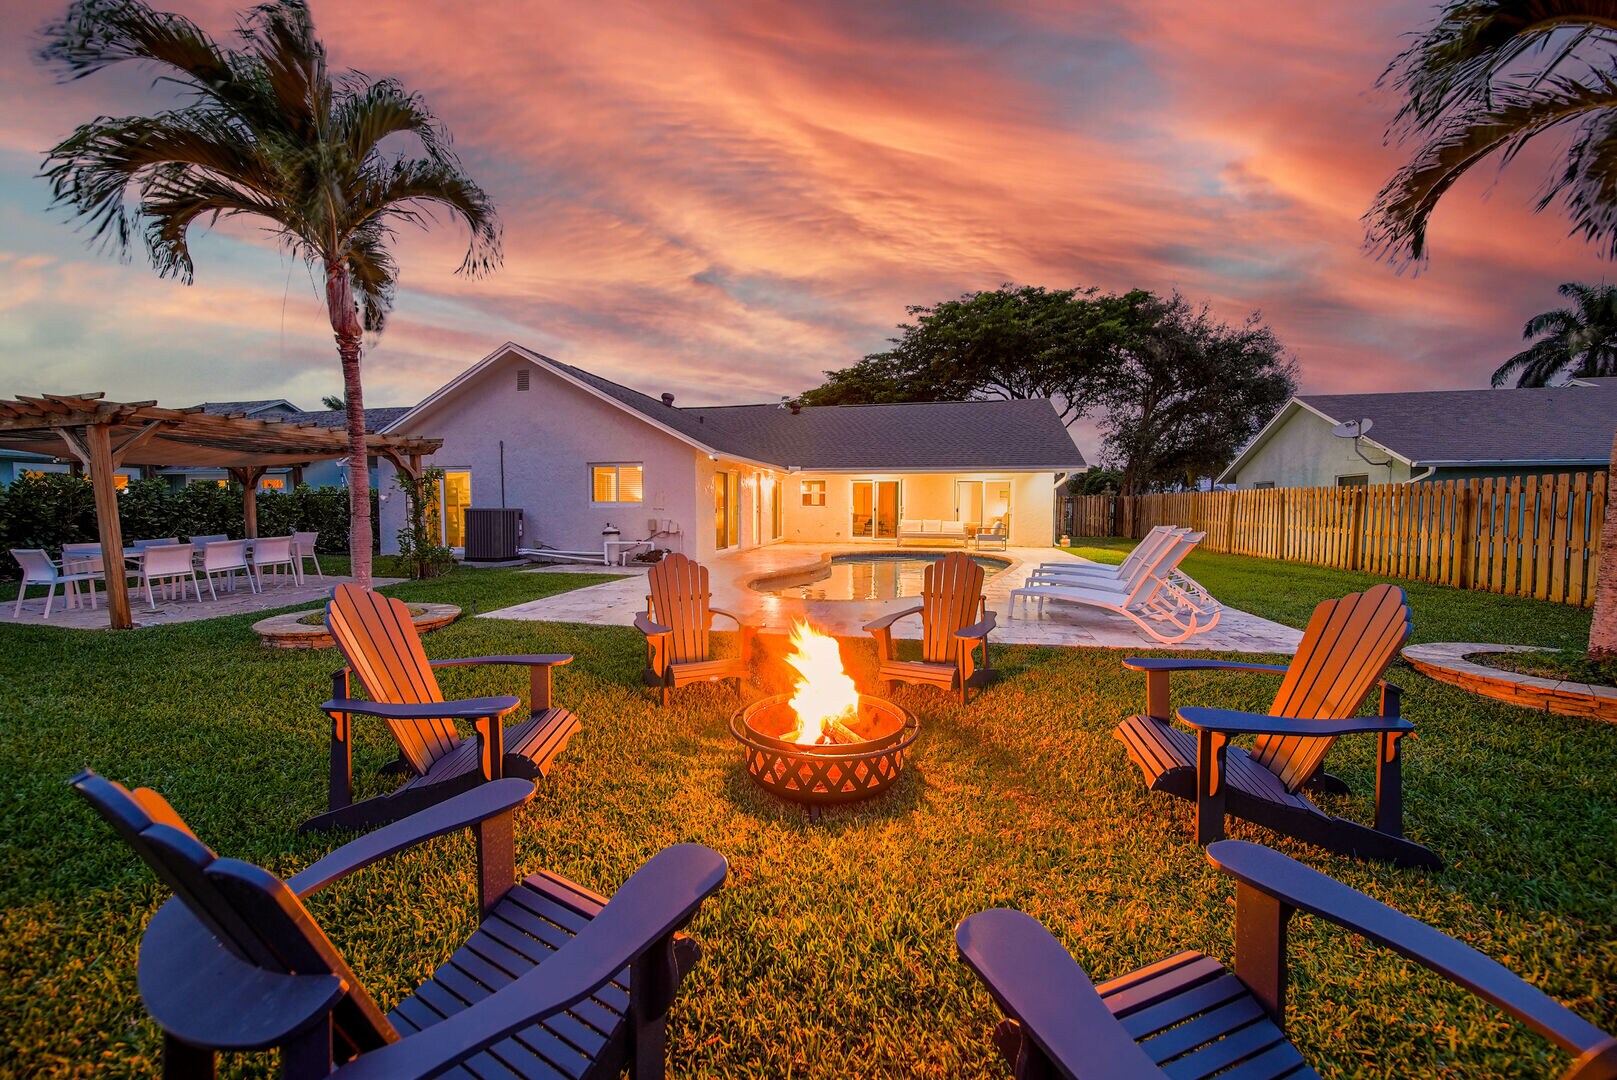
x=52, y=509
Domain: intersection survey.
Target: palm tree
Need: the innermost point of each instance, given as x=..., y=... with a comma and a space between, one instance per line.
x=1578, y=341
x=1490, y=77
x=264, y=130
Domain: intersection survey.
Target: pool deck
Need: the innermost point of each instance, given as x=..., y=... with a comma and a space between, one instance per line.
x=616, y=603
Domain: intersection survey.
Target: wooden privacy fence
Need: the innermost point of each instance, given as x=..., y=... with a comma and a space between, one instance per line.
x=1533, y=536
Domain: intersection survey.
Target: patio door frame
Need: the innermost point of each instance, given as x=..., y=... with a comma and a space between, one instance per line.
x=439, y=509
x=876, y=487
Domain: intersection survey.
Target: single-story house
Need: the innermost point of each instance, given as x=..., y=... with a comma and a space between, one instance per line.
x=1431, y=435
x=327, y=473
x=579, y=454
x=16, y=463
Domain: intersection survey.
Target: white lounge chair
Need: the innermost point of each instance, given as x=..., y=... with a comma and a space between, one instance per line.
x=1169, y=610
x=1167, y=553
x=1149, y=547
x=38, y=569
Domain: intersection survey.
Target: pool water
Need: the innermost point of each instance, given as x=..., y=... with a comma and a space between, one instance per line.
x=863, y=577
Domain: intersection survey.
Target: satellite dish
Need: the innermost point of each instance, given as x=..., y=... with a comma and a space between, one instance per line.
x=1352, y=429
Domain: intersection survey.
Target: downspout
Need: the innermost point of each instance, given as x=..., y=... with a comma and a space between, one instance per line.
x=502, y=474
x=1430, y=469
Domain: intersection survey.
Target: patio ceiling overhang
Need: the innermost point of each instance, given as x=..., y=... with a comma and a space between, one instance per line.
x=104, y=435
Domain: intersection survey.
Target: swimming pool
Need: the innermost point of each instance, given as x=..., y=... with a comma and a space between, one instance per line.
x=861, y=576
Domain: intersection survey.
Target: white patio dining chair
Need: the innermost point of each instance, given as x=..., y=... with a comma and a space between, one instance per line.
x=142, y=545
x=38, y=569
x=84, y=559
x=170, y=565
x=272, y=553
x=226, y=557
x=303, y=548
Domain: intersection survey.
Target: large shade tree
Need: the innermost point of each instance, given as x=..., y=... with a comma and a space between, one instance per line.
x=1485, y=80
x=1577, y=342
x=263, y=129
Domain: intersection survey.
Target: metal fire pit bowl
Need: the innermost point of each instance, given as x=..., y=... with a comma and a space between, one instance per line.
x=833, y=773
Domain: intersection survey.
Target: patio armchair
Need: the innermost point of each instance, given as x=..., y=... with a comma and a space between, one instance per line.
x=556, y=981
x=171, y=565
x=996, y=535
x=1190, y=1016
x=1347, y=647
x=274, y=553
x=39, y=569
x=303, y=550
x=678, y=625
x=226, y=557
x=955, y=623
x=383, y=650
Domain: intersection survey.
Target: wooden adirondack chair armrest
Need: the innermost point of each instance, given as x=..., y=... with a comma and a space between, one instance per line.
x=535, y=660
x=731, y=616
x=1149, y=664
x=1305, y=889
x=461, y=812
x=1235, y=722
x=464, y=709
x=1037, y=983
x=644, y=624
x=203, y=994
x=979, y=630
x=656, y=901
x=886, y=621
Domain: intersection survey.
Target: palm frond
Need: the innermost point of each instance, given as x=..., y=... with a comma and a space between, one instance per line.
x=367, y=114
x=1455, y=64
x=1396, y=224
x=375, y=274
x=411, y=190
x=95, y=34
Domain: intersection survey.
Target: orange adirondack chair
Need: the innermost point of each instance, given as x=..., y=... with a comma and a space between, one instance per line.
x=1346, y=648
x=678, y=624
x=383, y=648
x=955, y=622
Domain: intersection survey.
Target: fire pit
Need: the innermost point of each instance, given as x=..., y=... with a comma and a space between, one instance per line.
x=825, y=742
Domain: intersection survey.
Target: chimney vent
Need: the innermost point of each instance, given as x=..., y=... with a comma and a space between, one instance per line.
x=668, y=399
x=797, y=407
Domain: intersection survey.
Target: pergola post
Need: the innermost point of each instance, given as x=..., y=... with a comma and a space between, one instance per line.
x=98, y=441
x=248, y=478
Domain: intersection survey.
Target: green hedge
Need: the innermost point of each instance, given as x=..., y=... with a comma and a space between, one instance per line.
x=52, y=509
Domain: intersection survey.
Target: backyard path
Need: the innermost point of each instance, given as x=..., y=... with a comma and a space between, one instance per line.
x=616, y=603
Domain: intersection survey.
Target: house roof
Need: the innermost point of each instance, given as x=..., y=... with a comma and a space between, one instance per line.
x=1022, y=435
x=375, y=419
x=1559, y=425
x=246, y=408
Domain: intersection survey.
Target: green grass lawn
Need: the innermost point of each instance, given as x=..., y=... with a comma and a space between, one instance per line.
x=829, y=953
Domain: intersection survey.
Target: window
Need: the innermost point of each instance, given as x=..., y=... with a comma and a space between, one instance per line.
x=813, y=492
x=1264, y=485
x=1354, y=480
x=616, y=484
x=272, y=483
x=120, y=480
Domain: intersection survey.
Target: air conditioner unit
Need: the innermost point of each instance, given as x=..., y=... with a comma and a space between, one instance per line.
x=492, y=534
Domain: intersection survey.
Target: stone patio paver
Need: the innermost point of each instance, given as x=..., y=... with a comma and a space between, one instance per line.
x=312, y=592
x=616, y=603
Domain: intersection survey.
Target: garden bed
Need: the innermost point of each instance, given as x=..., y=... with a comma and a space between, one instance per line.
x=1481, y=669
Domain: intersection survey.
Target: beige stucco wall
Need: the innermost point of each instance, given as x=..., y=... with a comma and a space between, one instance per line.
x=1302, y=452
x=553, y=432
x=921, y=495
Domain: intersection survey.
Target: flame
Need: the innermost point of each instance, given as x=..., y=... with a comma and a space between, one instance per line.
x=824, y=692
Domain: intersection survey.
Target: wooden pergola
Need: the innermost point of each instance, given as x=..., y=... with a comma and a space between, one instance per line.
x=105, y=435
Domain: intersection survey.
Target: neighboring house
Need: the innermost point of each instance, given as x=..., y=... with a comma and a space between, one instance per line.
x=328, y=473
x=1432, y=435
x=15, y=463
x=578, y=453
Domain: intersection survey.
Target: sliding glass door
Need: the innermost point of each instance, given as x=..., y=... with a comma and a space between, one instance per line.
x=875, y=510
x=982, y=502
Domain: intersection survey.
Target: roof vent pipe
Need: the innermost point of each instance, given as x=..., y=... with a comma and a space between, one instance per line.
x=797, y=407
x=668, y=399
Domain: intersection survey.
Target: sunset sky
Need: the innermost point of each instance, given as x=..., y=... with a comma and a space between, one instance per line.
x=723, y=199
